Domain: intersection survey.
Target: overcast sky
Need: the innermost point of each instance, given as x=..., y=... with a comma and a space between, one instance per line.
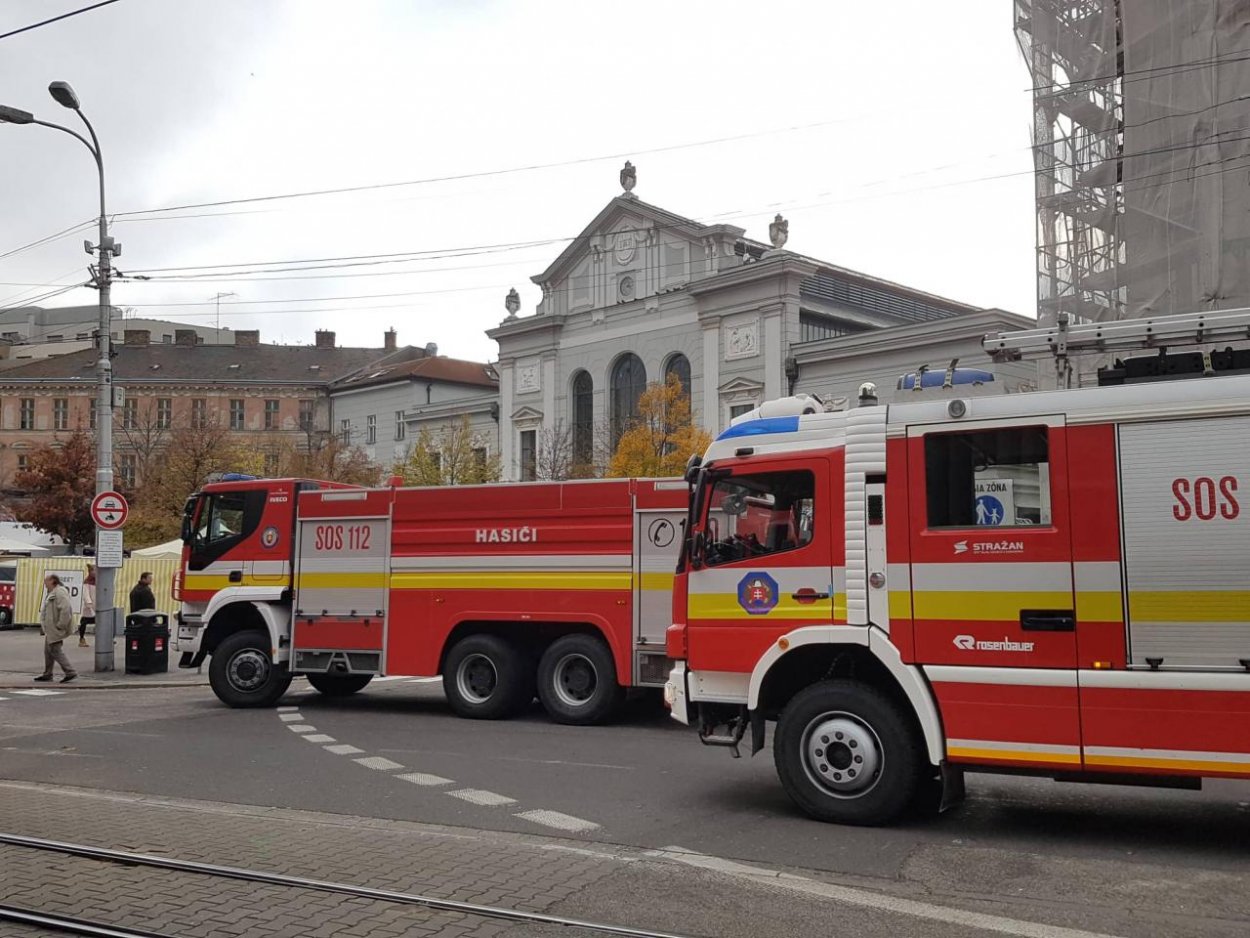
x=894, y=136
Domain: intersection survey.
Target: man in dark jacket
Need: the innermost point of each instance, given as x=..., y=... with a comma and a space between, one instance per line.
x=141, y=597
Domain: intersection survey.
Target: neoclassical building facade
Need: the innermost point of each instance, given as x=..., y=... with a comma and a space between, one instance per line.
x=643, y=293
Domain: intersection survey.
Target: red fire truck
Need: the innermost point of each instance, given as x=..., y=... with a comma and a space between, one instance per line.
x=558, y=589
x=1054, y=583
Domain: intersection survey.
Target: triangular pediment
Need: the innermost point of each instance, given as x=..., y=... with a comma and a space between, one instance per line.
x=622, y=221
x=523, y=414
x=740, y=386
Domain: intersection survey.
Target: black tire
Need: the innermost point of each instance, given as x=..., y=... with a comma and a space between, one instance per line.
x=486, y=678
x=242, y=673
x=339, y=685
x=577, y=681
x=6, y=616
x=848, y=754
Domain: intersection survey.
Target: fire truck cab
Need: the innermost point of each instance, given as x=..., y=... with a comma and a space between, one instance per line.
x=1053, y=583
x=560, y=590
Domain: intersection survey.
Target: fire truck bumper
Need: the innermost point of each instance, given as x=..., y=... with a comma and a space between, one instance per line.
x=675, y=696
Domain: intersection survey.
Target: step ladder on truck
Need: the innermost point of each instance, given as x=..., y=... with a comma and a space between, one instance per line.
x=508, y=591
x=1053, y=583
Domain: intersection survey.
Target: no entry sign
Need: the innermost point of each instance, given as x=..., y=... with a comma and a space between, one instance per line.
x=109, y=510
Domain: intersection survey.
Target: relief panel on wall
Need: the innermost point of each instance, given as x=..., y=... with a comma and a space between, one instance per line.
x=742, y=340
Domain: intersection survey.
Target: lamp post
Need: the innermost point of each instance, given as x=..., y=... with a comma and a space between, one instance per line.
x=106, y=611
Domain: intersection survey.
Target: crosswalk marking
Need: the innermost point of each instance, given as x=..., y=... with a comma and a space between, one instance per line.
x=561, y=822
x=423, y=778
x=38, y=692
x=485, y=798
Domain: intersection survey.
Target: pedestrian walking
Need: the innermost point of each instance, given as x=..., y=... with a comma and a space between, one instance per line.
x=88, y=606
x=56, y=620
x=142, y=597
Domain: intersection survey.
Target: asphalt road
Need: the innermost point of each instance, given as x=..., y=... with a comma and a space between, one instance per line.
x=1108, y=859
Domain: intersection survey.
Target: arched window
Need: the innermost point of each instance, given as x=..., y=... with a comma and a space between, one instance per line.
x=583, y=420
x=679, y=367
x=629, y=380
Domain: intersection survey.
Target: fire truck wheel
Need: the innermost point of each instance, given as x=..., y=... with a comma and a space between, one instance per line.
x=6, y=615
x=486, y=678
x=577, y=681
x=846, y=753
x=339, y=685
x=243, y=675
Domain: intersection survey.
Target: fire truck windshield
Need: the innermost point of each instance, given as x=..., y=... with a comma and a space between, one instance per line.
x=223, y=520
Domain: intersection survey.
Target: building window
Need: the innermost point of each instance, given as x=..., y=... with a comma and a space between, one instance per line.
x=679, y=367
x=583, y=419
x=371, y=429
x=28, y=414
x=271, y=463
x=23, y=463
x=629, y=380
x=994, y=478
x=529, y=455
x=345, y=432
x=126, y=469
x=130, y=414
x=737, y=410
x=60, y=413
x=199, y=414
x=237, y=415
x=164, y=413
x=480, y=456
x=400, y=427
x=305, y=415
x=271, y=415
x=91, y=416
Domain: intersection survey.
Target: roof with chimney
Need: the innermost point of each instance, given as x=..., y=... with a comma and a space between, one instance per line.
x=306, y=365
x=446, y=370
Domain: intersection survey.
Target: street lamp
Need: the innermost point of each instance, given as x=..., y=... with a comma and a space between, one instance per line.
x=106, y=612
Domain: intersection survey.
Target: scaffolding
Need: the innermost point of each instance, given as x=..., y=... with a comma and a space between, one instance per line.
x=1072, y=48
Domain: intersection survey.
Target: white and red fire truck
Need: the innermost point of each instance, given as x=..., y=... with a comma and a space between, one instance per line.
x=558, y=589
x=1054, y=583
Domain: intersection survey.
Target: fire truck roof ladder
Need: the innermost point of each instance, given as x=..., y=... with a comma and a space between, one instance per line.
x=1065, y=339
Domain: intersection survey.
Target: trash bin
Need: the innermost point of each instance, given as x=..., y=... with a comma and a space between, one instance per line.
x=147, y=642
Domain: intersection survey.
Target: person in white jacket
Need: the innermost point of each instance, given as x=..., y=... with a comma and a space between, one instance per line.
x=88, y=606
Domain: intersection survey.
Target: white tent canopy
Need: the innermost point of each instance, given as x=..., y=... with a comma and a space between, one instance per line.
x=168, y=549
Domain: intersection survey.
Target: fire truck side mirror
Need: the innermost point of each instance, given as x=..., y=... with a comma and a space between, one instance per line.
x=692, y=468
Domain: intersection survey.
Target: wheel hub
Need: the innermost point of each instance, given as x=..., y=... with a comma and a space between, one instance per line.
x=249, y=669
x=476, y=678
x=842, y=754
x=576, y=680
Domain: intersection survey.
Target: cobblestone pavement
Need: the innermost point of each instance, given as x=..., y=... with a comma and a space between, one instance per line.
x=507, y=870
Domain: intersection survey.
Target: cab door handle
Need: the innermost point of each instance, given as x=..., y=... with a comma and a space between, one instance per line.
x=236, y=576
x=1048, y=620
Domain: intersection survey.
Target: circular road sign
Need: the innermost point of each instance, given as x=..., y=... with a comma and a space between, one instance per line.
x=109, y=510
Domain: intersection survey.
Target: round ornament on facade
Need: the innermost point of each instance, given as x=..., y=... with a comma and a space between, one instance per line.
x=626, y=288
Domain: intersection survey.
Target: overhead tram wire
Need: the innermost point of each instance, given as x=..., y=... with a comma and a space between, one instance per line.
x=484, y=173
x=56, y=19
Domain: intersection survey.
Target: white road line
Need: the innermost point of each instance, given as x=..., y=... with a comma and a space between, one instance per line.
x=562, y=822
x=421, y=778
x=4, y=698
x=319, y=738
x=343, y=750
x=391, y=677
x=378, y=762
x=880, y=902
x=487, y=799
x=301, y=728
x=292, y=717
x=425, y=680
x=38, y=692
x=287, y=709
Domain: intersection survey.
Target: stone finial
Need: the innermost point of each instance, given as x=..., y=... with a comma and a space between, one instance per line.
x=629, y=179
x=779, y=232
x=512, y=303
